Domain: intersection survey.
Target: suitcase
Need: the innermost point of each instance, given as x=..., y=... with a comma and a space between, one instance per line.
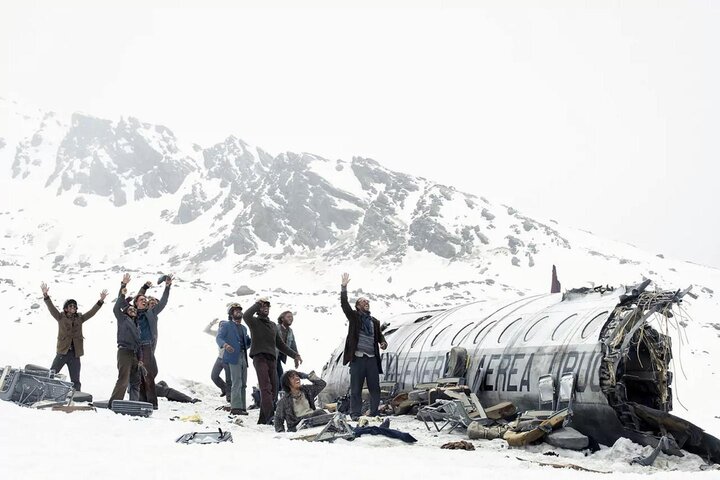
x=130, y=407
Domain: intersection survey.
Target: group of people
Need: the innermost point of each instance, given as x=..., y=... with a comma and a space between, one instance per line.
x=268, y=344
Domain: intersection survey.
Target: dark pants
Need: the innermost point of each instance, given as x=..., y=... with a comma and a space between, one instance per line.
x=279, y=376
x=73, y=364
x=126, y=361
x=362, y=369
x=266, y=370
x=224, y=386
x=147, y=381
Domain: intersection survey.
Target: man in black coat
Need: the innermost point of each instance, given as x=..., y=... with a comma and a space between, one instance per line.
x=361, y=351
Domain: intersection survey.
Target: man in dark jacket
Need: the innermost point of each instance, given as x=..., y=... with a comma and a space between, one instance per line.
x=69, y=346
x=143, y=386
x=361, y=351
x=298, y=401
x=285, y=320
x=128, y=341
x=266, y=342
x=232, y=337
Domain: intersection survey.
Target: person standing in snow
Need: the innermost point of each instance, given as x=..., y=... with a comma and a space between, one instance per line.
x=128, y=342
x=288, y=336
x=298, y=401
x=266, y=341
x=225, y=386
x=147, y=320
x=69, y=346
x=361, y=350
x=232, y=337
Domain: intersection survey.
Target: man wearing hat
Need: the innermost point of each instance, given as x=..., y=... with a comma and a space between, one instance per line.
x=70, y=337
x=234, y=341
x=266, y=342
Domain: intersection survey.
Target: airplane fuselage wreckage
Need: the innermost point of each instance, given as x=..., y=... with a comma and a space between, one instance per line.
x=613, y=341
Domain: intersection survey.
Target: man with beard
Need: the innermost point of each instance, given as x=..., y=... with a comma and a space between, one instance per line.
x=147, y=320
x=232, y=337
x=266, y=341
x=361, y=350
x=69, y=346
x=128, y=341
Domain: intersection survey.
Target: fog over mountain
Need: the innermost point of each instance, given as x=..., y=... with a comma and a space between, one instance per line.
x=236, y=206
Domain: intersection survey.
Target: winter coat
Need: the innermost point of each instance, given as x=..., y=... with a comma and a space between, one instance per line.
x=236, y=336
x=70, y=327
x=152, y=313
x=265, y=335
x=353, y=335
x=128, y=333
x=284, y=412
x=288, y=336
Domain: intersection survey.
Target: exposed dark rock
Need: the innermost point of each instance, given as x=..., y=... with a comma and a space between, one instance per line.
x=244, y=290
x=80, y=201
x=35, y=306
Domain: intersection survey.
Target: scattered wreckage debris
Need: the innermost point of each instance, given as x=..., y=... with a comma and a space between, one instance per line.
x=561, y=465
x=205, y=438
x=28, y=387
x=459, y=445
x=605, y=351
x=127, y=407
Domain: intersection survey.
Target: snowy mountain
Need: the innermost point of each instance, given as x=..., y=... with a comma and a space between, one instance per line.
x=84, y=199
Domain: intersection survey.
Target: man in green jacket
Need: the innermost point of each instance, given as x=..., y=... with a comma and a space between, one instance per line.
x=70, y=337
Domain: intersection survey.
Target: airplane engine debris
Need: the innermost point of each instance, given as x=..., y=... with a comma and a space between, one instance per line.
x=601, y=353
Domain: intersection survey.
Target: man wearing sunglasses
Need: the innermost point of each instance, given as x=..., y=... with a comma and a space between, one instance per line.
x=70, y=337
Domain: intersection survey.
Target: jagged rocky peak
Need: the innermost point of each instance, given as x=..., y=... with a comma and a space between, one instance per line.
x=111, y=160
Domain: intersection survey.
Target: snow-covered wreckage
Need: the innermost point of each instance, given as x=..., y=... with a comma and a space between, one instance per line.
x=612, y=342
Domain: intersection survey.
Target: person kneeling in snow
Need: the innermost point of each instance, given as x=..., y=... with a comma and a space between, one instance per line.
x=299, y=400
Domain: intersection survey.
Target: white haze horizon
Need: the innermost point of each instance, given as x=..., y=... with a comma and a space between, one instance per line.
x=602, y=117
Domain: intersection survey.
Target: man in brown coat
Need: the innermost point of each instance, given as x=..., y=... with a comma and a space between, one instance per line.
x=70, y=336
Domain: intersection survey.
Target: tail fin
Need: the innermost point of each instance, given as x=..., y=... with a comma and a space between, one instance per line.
x=555, y=285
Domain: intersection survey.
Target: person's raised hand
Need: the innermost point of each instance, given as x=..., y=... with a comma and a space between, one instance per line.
x=345, y=279
x=44, y=288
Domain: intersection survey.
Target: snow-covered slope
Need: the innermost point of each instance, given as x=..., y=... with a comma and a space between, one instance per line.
x=84, y=199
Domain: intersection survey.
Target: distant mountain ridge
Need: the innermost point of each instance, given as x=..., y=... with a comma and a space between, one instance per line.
x=238, y=203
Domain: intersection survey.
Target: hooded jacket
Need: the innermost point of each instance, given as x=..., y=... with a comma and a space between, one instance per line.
x=70, y=327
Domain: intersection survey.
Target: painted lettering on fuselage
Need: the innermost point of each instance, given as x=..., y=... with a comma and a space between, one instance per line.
x=497, y=371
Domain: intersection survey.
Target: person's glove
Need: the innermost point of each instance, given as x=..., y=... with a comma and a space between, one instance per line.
x=303, y=375
x=143, y=370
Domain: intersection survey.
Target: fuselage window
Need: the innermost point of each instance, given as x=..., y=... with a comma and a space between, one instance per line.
x=594, y=324
x=506, y=333
x=533, y=329
x=438, y=335
x=390, y=332
x=484, y=329
x=422, y=319
x=457, y=335
x=420, y=335
x=560, y=329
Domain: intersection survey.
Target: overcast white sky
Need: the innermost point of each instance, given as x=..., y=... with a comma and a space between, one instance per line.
x=602, y=117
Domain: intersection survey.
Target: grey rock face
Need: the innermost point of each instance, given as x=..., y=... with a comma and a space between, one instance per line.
x=193, y=205
x=244, y=290
x=103, y=159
